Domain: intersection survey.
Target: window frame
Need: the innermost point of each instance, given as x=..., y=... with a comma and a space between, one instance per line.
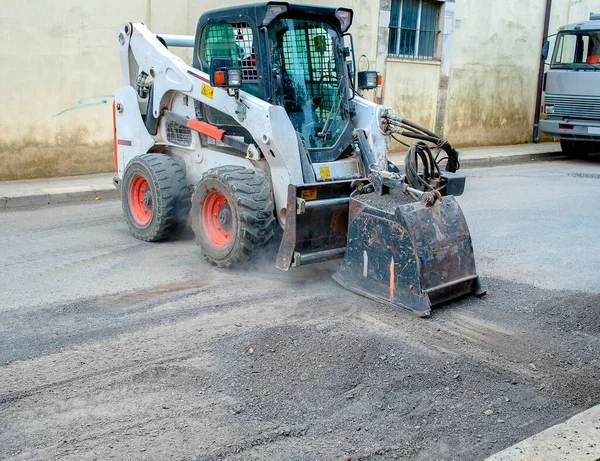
x=559, y=49
x=398, y=28
x=249, y=73
x=209, y=112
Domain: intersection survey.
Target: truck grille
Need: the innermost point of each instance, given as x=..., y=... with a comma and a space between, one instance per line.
x=574, y=106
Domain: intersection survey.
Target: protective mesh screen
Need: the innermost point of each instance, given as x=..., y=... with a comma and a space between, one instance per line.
x=234, y=40
x=308, y=53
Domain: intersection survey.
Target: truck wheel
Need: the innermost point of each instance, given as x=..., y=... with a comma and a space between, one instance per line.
x=155, y=197
x=232, y=214
x=574, y=149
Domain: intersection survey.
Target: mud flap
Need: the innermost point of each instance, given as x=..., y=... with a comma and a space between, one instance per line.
x=408, y=254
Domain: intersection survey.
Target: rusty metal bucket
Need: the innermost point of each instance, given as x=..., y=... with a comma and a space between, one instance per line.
x=407, y=254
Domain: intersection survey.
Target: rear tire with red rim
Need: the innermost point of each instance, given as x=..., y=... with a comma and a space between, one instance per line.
x=232, y=214
x=155, y=197
x=574, y=149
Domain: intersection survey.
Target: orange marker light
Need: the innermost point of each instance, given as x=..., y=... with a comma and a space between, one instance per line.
x=220, y=77
x=380, y=80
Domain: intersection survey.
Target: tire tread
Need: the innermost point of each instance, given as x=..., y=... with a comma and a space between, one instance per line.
x=173, y=196
x=252, y=195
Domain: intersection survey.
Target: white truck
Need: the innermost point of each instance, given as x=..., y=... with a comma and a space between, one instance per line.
x=572, y=88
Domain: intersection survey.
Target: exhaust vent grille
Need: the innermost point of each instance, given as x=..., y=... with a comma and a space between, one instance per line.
x=179, y=134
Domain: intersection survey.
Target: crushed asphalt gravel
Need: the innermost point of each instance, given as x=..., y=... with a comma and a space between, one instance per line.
x=112, y=348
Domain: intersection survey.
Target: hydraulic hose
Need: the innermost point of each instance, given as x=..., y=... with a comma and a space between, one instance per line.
x=431, y=171
x=400, y=126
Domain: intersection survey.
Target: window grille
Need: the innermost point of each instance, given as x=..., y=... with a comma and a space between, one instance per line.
x=309, y=57
x=413, y=28
x=235, y=40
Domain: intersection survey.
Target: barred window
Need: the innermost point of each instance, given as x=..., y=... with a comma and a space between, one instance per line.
x=413, y=28
x=234, y=40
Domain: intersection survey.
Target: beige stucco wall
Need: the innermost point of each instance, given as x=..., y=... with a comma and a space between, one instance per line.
x=60, y=66
x=59, y=69
x=54, y=57
x=411, y=88
x=494, y=67
x=493, y=76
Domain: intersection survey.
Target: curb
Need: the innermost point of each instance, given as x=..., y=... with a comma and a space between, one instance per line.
x=496, y=160
x=510, y=159
x=86, y=193
x=575, y=439
x=69, y=195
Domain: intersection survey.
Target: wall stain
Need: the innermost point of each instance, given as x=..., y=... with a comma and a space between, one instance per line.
x=70, y=152
x=43, y=160
x=90, y=101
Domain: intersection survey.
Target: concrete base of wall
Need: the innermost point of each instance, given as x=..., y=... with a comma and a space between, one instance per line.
x=39, y=161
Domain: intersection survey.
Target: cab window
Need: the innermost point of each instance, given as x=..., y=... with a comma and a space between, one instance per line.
x=235, y=40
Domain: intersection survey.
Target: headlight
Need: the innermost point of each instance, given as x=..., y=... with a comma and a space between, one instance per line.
x=368, y=80
x=549, y=109
x=234, y=78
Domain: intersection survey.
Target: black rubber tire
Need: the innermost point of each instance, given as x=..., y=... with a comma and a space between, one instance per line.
x=249, y=196
x=574, y=149
x=170, y=193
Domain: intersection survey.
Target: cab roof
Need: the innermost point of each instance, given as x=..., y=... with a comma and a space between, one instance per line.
x=592, y=24
x=257, y=12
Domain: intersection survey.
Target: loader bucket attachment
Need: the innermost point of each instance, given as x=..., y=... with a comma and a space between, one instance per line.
x=408, y=254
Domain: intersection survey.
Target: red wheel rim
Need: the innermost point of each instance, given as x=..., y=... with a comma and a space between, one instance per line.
x=140, y=200
x=217, y=218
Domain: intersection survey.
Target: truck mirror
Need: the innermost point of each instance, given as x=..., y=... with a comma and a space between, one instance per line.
x=545, y=49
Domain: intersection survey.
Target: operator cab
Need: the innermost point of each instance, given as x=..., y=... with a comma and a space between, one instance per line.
x=289, y=55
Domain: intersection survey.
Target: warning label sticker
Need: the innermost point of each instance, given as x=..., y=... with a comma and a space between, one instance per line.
x=325, y=173
x=207, y=91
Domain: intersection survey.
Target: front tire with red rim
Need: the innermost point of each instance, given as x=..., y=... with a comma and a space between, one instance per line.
x=155, y=197
x=232, y=214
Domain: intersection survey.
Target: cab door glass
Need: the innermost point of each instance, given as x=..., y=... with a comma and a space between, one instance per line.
x=235, y=40
x=577, y=49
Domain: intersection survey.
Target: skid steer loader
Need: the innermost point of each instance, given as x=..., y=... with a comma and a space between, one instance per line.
x=268, y=127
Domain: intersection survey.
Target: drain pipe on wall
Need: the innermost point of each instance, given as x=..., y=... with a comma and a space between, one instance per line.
x=538, y=101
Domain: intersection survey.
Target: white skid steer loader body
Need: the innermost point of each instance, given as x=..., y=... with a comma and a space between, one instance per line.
x=402, y=242
x=269, y=125
x=132, y=136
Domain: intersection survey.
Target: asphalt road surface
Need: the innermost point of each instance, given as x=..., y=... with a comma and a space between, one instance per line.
x=115, y=348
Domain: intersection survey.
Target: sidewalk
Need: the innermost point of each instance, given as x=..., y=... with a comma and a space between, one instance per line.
x=31, y=192
x=49, y=191
x=576, y=439
x=496, y=155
